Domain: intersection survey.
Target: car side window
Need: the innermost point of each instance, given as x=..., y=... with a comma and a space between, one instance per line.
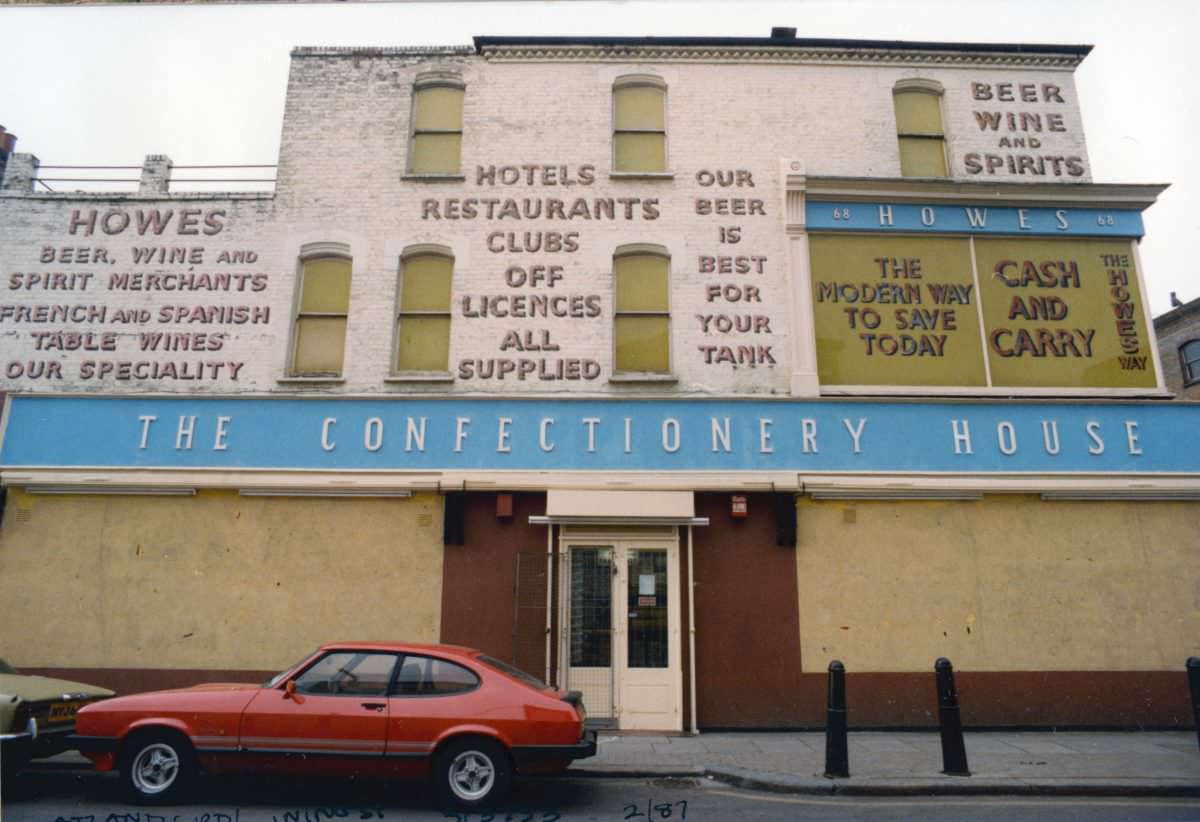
x=348, y=673
x=428, y=676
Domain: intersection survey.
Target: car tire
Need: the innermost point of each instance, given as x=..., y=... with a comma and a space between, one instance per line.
x=157, y=767
x=472, y=773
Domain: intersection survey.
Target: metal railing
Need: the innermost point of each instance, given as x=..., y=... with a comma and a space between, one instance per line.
x=88, y=181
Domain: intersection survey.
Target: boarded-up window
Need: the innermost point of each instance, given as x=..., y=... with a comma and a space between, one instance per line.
x=423, y=314
x=437, y=118
x=642, y=322
x=919, y=130
x=320, y=331
x=639, y=125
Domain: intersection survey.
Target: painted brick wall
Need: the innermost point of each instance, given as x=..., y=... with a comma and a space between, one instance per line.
x=341, y=178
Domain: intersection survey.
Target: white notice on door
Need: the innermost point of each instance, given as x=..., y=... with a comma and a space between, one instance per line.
x=646, y=584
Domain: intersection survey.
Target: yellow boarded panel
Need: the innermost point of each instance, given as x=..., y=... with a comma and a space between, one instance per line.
x=326, y=284
x=922, y=157
x=895, y=311
x=918, y=113
x=320, y=344
x=438, y=108
x=426, y=285
x=643, y=344
x=436, y=153
x=639, y=107
x=1064, y=313
x=641, y=282
x=424, y=344
x=639, y=152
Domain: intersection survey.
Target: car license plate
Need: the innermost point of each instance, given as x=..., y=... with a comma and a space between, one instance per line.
x=63, y=711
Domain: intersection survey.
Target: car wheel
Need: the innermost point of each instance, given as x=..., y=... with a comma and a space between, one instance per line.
x=471, y=773
x=157, y=768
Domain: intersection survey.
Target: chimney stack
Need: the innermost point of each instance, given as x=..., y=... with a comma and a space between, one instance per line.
x=7, y=143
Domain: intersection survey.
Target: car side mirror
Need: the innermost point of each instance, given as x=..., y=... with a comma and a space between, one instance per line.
x=289, y=690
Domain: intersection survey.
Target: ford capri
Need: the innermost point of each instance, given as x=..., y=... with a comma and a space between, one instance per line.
x=453, y=715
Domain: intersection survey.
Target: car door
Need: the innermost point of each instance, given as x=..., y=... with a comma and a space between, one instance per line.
x=430, y=696
x=334, y=712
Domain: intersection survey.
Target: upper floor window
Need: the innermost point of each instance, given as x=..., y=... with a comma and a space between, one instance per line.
x=639, y=125
x=435, y=147
x=319, y=333
x=919, y=128
x=1189, y=357
x=423, y=311
x=642, y=320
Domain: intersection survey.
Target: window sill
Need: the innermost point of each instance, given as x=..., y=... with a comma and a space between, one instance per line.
x=420, y=376
x=433, y=178
x=333, y=380
x=641, y=175
x=636, y=377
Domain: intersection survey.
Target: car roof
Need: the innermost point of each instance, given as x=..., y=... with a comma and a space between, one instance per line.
x=414, y=647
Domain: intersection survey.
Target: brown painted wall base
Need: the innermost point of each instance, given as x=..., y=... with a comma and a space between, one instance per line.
x=139, y=680
x=1015, y=699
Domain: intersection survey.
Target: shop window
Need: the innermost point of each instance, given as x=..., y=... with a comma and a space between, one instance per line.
x=319, y=336
x=919, y=128
x=423, y=311
x=1189, y=357
x=642, y=320
x=435, y=147
x=639, y=125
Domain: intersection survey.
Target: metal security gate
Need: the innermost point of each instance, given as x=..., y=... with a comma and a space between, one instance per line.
x=529, y=617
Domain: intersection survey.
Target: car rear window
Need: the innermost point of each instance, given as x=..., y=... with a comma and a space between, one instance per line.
x=513, y=671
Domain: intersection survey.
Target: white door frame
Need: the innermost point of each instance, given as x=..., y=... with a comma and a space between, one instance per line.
x=622, y=538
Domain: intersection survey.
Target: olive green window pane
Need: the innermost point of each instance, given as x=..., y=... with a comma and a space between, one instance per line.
x=640, y=152
x=643, y=344
x=326, y=285
x=320, y=343
x=922, y=157
x=639, y=107
x=438, y=108
x=918, y=113
x=424, y=344
x=426, y=285
x=641, y=282
x=436, y=153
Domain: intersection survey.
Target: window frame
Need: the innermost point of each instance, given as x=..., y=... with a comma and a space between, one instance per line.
x=1189, y=369
x=423, y=82
x=635, y=81
x=917, y=85
x=394, y=372
x=618, y=375
x=312, y=252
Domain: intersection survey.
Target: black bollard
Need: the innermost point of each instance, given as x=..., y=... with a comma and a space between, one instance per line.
x=954, y=752
x=1193, y=672
x=837, y=749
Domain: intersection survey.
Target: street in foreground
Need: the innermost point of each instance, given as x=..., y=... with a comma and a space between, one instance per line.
x=70, y=796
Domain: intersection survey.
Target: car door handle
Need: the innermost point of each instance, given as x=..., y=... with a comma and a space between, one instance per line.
x=374, y=706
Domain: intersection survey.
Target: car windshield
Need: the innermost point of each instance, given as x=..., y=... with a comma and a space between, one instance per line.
x=515, y=673
x=275, y=680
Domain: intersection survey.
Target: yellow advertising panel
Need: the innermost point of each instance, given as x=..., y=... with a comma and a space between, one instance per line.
x=895, y=311
x=1063, y=313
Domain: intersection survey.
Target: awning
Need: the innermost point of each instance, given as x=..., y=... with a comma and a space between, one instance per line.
x=612, y=507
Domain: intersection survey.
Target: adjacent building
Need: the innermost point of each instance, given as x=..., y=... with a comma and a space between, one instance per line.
x=671, y=369
x=1178, y=333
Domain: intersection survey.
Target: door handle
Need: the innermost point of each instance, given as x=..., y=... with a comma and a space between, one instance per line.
x=374, y=706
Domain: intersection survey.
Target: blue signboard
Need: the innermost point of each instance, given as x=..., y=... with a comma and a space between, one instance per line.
x=941, y=218
x=601, y=435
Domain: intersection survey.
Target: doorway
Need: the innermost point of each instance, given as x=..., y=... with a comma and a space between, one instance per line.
x=620, y=635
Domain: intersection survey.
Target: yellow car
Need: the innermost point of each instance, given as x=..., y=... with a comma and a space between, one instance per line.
x=37, y=714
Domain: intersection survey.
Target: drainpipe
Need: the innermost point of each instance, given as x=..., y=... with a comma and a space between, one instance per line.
x=549, y=589
x=692, y=635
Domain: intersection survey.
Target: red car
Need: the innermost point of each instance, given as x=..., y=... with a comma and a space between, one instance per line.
x=369, y=708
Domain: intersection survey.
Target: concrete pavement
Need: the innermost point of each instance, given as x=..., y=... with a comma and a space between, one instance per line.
x=1089, y=763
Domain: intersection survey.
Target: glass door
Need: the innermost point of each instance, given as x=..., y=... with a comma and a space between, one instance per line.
x=590, y=628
